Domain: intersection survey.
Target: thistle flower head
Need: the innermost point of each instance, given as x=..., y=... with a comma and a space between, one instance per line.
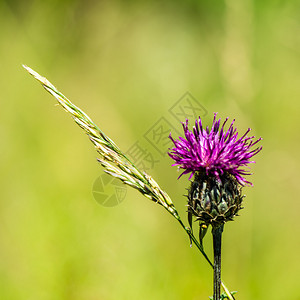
x=214, y=151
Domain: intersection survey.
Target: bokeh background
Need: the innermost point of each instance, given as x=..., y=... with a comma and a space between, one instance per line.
x=126, y=63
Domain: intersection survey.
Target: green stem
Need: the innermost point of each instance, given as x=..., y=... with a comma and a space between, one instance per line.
x=192, y=237
x=229, y=295
x=217, y=242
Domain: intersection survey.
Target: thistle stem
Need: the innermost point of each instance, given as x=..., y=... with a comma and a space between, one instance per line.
x=217, y=239
x=200, y=248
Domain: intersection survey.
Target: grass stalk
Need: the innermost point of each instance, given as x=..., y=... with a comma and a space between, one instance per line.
x=117, y=164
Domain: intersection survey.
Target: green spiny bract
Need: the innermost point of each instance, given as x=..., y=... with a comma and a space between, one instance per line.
x=213, y=201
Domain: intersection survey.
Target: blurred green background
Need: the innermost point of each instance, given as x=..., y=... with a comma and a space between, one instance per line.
x=125, y=63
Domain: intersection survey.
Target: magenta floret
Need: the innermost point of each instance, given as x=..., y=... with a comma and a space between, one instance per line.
x=214, y=151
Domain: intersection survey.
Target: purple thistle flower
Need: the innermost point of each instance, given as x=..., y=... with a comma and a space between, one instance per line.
x=214, y=151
